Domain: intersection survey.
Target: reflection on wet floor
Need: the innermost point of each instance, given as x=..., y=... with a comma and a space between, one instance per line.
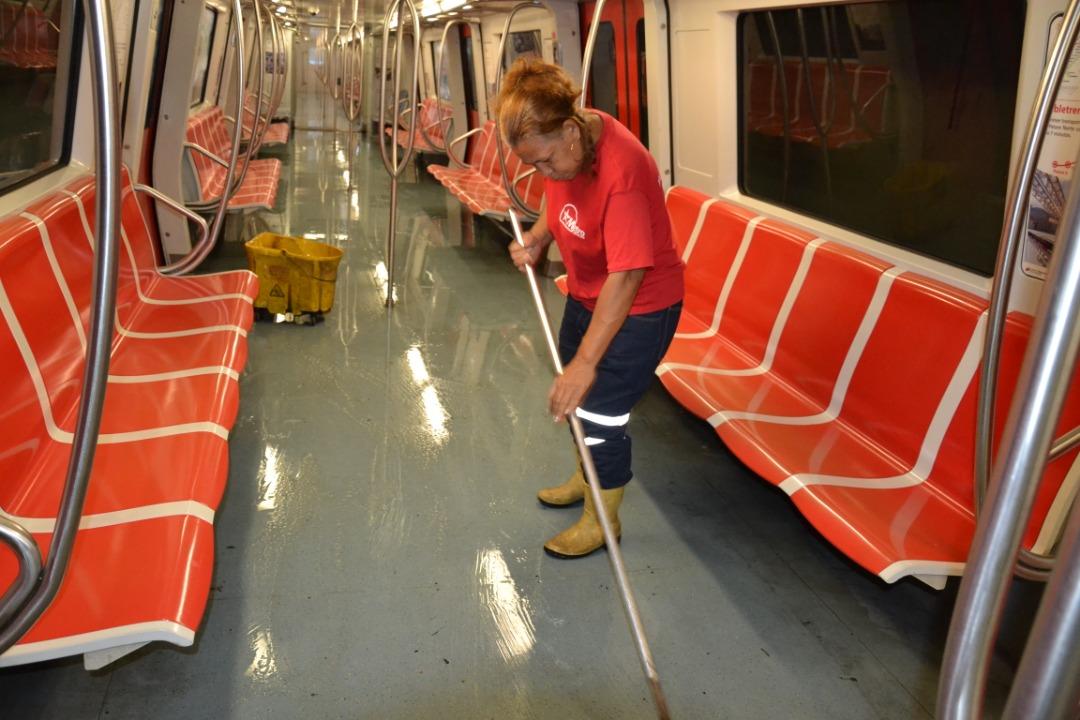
x=379, y=546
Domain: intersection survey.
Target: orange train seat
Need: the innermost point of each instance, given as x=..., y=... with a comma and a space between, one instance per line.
x=479, y=184
x=206, y=129
x=432, y=115
x=142, y=562
x=275, y=134
x=860, y=405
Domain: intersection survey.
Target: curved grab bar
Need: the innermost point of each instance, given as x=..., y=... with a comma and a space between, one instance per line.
x=446, y=124
x=999, y=531
x=99, y=345
x=280, y=63
x=204, y=227
x=335, y=47
x=24, y=546
x=356, y=76
x=394, y=164
x=348, y=102
x=590, y=48
x=199, y=252
x=500, y=146
x=261, y=121
x=1031, y=565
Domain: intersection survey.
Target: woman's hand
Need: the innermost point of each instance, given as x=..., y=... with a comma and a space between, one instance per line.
x=527, y=255
x=569, y=389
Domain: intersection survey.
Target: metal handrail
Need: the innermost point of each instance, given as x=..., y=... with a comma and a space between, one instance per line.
x=199, y=252
x=99, y=345
x=446, y=126
x=347, y=73
x=356, y=73
x=24, y=546
x=1029, y=430
x=394, y=164
x=590, y=48
x=1047, y=682
x=511, y=191
x=1012, y=234
x=1015, y=477
x=280, y=66
x=208, y=153
x=261, y=122
x=204, y=227
x=335, y=46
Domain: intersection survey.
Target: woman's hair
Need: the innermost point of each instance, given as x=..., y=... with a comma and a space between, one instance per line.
x=537, y=98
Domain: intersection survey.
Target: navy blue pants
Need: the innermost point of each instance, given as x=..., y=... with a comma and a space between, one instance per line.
x=622, y=377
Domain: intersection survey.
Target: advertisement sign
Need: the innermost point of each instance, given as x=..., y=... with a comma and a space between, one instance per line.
x=1054, y=170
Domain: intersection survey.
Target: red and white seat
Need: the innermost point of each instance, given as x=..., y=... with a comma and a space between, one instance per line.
x=143, y=558
x=206, y=130
x=847, y=382
x=479, y=185
x=432, y=114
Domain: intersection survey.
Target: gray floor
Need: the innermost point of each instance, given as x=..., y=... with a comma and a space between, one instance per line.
x=379, y=547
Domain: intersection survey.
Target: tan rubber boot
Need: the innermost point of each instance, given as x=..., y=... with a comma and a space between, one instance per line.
x=586, y=536
x=570, y=492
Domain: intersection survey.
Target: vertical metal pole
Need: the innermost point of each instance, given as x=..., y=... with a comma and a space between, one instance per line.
x=613, y=551
x=1047, y=684
x=590, y=48
x=102, y=309
x=394, y=164
x=1012, y=234
x=1044, y=380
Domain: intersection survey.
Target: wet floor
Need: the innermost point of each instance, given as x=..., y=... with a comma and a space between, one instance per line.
x=379, y=546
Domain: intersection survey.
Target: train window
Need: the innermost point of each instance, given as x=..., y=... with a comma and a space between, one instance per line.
x=38, y=60
x=523, y=43
x=203, y=46
x=603, y=83
x=892, y=119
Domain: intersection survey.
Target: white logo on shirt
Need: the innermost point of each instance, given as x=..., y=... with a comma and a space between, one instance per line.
x=568, y=217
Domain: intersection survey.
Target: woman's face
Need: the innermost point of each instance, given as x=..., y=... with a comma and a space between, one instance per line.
x=556, y=155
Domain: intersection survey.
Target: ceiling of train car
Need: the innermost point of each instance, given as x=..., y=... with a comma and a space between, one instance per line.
x=321, y=13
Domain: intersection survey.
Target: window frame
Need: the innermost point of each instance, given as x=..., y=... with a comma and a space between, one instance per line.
x=70, y=43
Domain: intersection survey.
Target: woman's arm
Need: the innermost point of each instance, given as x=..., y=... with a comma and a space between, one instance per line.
x=612, y=306
x=536, y=239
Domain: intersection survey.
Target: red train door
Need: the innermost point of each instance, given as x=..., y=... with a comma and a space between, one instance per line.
x=617, y=75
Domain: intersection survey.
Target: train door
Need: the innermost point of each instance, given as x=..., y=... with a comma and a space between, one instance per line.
x=617, y=75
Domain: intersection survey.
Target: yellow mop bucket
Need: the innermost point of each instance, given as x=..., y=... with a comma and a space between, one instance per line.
x=295, y=275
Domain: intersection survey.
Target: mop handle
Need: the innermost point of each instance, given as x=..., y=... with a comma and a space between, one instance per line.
x=613, y=551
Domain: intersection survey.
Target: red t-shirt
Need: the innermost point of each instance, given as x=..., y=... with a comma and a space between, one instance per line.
x=615, y=220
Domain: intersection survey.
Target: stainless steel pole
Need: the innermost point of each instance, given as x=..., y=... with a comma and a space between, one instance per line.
x=590, y=48
x=24, y=546
x=614, y=552
x=1012, y=233
x=1040, y=393
x=394, y=164
x=102, y=309
x=1047, y=684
